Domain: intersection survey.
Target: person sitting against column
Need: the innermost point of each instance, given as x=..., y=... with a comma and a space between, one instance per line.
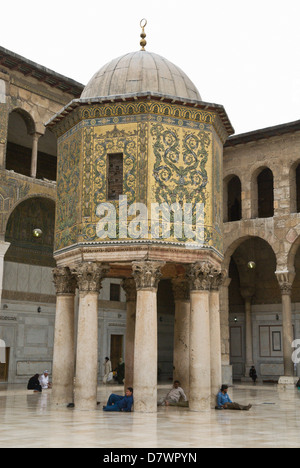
x=224, y=402
x=175, y=397
x=120, y=403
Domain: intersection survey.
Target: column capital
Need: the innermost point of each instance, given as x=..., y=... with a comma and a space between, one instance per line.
x=147, y=274
x=90, y=275
x=129, y=286
x=181, y=289
x=65, y=282
x=285, y=280
x=201, y=275
x=218, y=280
x=247, y=292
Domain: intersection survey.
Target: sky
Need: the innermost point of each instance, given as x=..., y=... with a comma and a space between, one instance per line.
x=239, y=53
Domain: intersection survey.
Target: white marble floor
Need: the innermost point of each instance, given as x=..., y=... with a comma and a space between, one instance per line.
x=29, y=420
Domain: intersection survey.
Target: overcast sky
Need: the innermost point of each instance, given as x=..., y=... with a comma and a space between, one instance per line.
x=239, y=53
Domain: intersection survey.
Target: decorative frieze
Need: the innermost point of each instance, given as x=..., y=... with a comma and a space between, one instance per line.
x=147, y=274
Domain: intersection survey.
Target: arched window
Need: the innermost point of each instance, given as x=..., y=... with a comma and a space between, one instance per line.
x=265, y=194
x=295, y=188
x=19, y=142
x=232, y=199
x=47, y=156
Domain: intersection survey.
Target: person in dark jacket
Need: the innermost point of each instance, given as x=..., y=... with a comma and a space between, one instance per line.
x=34, y=384
x=253, y=374
x=120, y=403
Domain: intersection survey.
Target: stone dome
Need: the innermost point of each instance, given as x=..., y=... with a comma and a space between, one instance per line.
x=140, y=72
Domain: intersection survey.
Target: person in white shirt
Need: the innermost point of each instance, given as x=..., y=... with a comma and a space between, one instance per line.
x=44, y=380
x=174, y=397
x=107, y=370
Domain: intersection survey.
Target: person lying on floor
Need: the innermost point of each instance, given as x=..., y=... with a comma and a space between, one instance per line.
x=224, y=402
x=120, y=403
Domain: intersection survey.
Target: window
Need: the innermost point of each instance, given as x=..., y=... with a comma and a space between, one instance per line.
x=234, y=200
x=115, y=176
x=265, y=187
x=115, y=292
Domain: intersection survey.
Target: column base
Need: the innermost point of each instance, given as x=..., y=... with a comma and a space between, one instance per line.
x=284, y=380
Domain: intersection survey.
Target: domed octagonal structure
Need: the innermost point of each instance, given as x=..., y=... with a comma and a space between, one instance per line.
x=139, y=197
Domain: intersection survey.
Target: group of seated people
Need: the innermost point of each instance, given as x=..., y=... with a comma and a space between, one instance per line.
x=117, y=403
x=38, y=383
x=175, y=397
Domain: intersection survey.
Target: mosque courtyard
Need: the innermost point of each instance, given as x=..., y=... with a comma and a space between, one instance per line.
x=28, y=420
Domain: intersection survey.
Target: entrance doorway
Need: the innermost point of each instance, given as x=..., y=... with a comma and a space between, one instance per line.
x=116, y=349
x=4, y=365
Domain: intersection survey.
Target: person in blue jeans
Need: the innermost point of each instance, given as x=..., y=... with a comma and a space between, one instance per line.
x=120, y=403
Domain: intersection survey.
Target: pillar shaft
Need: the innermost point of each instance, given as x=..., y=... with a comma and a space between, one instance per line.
x=64, y=352
x=89, y=277
x=200, y=275
x=34, y=154
x=181, y=357
x=4, y=246
x=147, y=275
x=285, y=280
x=130, y=290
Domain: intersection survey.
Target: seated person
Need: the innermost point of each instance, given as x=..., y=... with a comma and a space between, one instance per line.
x=174, y=396
x=44, y=380
x=120, y=403
x=224, y=402
x=34, y=384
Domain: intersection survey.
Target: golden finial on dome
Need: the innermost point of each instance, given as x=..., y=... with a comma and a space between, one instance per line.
x=143, y=42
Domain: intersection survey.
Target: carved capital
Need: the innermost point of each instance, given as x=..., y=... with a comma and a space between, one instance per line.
x=129, y=287
x=201, y=275
x=65, y=282
x=181, y=289
x=285, y=280
x=147, y=274
x=218, y=279
x=90, y=275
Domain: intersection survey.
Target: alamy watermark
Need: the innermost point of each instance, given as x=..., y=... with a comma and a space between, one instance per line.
x=181, y=221
x=296, y=353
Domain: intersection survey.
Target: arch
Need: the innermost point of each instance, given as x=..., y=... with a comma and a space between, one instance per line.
x=232, y=198
x=34, y=212
x=21, y=128
x=262, y=193
x=231, y=248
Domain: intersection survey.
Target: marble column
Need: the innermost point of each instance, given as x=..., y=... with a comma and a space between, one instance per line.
x=181, y=359
x=129, y=287
x=147, y=275
x=247, y=294
x=200, y=276
x=4, y=246
x=64, y=349
x=89, y=279
x=215, y=334
x=34, y=154
x=285, y=280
